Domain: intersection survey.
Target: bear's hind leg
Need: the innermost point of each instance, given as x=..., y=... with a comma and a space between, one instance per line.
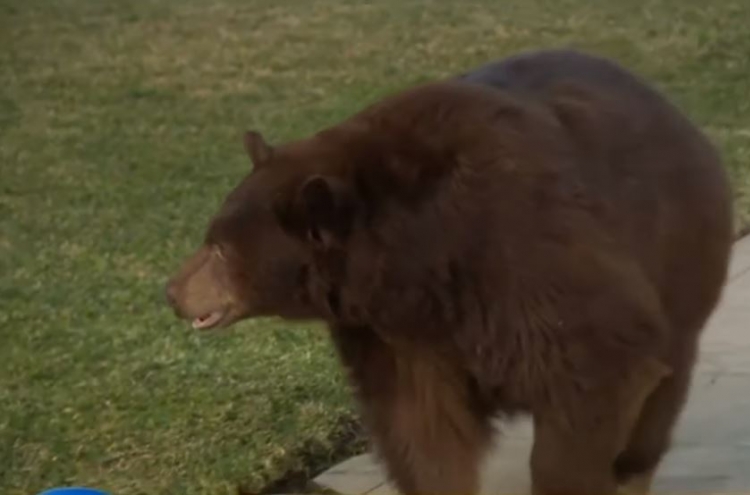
x=635, y=466
x=576, y=445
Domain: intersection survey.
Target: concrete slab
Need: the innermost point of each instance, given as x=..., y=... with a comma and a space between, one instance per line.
x=711, y=452
x=360, y=474
x=740, y=258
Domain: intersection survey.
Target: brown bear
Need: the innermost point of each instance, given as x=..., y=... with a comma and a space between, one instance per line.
x=545, y=235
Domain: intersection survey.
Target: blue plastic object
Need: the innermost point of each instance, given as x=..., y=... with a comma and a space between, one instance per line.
x=74, y=490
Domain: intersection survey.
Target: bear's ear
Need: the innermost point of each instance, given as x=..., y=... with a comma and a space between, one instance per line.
x=257, y=149
x=325, y=209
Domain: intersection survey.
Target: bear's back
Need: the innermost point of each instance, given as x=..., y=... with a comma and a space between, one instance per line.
x=661, y=177
x=537, y=71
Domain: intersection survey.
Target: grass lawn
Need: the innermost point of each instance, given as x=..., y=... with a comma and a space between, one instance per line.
x=119, y=136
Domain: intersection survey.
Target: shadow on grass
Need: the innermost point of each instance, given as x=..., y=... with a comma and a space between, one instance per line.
x=348, y=439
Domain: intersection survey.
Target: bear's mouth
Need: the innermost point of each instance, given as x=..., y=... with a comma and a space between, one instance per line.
x=209, y=320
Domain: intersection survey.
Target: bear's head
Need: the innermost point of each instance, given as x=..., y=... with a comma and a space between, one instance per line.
x=260, y=249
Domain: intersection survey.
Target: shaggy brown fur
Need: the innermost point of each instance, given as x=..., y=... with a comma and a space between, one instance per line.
x=545, y=235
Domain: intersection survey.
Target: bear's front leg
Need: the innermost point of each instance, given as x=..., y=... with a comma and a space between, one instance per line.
x=429, y=436
x=424, y=420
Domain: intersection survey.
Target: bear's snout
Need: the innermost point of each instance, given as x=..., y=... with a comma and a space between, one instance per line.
x=199, y=291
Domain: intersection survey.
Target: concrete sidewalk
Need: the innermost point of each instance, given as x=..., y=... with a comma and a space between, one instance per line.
x=711, y=452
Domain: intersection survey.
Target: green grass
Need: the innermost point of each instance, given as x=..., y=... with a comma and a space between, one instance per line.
x=119, y=136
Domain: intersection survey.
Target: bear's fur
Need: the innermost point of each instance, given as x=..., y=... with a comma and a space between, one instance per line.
x=544, y=235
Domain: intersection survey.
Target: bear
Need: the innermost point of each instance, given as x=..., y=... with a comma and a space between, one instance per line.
x=545, y=235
